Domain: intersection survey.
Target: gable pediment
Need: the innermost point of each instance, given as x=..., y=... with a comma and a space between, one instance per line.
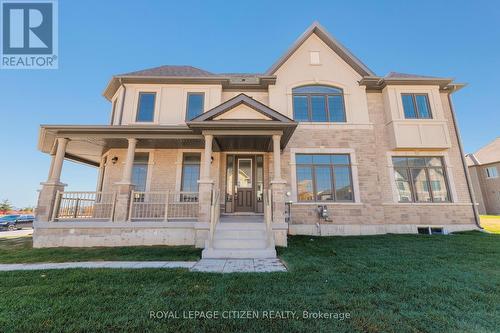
x=242, y=112
x=242, y=107
x=320, y=32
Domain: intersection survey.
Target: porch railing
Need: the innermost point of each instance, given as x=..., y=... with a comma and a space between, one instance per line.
x=163, y=205
x=84, y=206
x=214, y=214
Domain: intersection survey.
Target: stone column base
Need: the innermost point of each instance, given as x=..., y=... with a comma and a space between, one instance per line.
x=46, y=200
x=205, y=200
x=122, y=206
x=278, y=200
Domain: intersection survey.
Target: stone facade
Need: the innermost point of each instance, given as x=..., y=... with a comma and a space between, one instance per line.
x=487, y=190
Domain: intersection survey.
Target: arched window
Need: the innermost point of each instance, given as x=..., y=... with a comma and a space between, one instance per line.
x=318, y=103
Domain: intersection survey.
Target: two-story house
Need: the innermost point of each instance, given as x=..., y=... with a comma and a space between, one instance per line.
x=317, y=145
x=484, y=169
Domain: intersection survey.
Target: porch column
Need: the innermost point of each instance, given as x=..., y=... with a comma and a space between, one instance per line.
x=208, y=156
x=57, y=164
x=205, y=187
x=129, y=162
x=47, y=196
x=277, y=157
x=278, y=187
x=125, y=186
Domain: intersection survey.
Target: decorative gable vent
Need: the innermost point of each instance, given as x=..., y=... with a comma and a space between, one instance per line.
x=314, y=58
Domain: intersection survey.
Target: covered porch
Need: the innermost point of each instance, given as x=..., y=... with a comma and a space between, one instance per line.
x=234, y=174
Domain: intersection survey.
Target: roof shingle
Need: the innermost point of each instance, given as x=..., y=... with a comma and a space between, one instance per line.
x=171, y=70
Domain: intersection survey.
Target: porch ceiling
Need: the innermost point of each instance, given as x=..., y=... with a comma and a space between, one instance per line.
x=88, y=143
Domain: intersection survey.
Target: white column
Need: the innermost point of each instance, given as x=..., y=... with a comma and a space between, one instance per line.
x=208, y=156
x=55, y=176
x=277, y=157
x=129, y=161
x=51, y=168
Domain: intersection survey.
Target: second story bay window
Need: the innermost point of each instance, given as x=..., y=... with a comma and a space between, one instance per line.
x=194, y=105
x=146, y=107
x=416, y=106
x=317, y=103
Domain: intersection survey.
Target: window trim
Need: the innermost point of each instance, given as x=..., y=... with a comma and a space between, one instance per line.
x=488, y=176
x=189, y=93
x=138, y=104
x=148, y=164
x=183, y=155
x=333, y=180
x=428, y=180
x=327, y=103
x=415, y=106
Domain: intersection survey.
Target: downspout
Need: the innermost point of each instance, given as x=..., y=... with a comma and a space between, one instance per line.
x=464, y=163
x=123, y=101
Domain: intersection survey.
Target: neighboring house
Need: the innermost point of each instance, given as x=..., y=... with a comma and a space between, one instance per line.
x=484, y=169
x=193, y=157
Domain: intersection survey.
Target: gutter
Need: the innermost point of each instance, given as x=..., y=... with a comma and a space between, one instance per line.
x=464, y=163
x=122, y=107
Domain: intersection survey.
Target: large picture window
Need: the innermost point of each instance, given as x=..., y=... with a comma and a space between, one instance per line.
x=421, y=179
x=324, y=177
x=317, y=103
x=190, y=172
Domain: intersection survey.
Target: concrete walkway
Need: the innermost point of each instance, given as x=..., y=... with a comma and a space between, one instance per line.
x=239, y=266
x=204, y=265
x=98, y=264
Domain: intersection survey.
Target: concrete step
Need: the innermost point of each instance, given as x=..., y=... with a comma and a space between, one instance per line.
x=240, y=226
x=239, y=234
x=250, y=244
x=210, y=253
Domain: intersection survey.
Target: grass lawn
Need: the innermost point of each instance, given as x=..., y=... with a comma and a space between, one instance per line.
x=491, y=223
x=20, y=250
x=398, y=283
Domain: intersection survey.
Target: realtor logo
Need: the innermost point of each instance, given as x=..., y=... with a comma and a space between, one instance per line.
x=29, y=34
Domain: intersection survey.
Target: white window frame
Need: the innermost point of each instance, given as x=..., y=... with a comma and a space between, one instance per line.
x=488, y=174
x=354, y=173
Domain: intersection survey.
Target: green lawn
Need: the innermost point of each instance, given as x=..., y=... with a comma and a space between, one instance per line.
x=20, y=250
x=395, y=283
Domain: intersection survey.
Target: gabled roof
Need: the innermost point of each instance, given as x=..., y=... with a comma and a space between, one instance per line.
x=329, y=40
x=486, y=155
x=238, y=100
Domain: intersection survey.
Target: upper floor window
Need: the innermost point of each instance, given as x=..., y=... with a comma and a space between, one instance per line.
x=325, y=177
x=491, y=172
x=194, y=105
x=318, y=104
x=416, y=106
x=421, y=179
x=146, y=107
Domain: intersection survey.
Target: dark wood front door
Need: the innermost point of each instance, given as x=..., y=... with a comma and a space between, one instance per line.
x=244, y=184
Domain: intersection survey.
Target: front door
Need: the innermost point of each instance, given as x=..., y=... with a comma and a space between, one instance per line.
x=244, y=199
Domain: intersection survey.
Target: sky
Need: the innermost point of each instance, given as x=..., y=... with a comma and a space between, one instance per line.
x=98, y=39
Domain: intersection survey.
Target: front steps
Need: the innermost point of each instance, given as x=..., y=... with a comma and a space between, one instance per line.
x=239, y=240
